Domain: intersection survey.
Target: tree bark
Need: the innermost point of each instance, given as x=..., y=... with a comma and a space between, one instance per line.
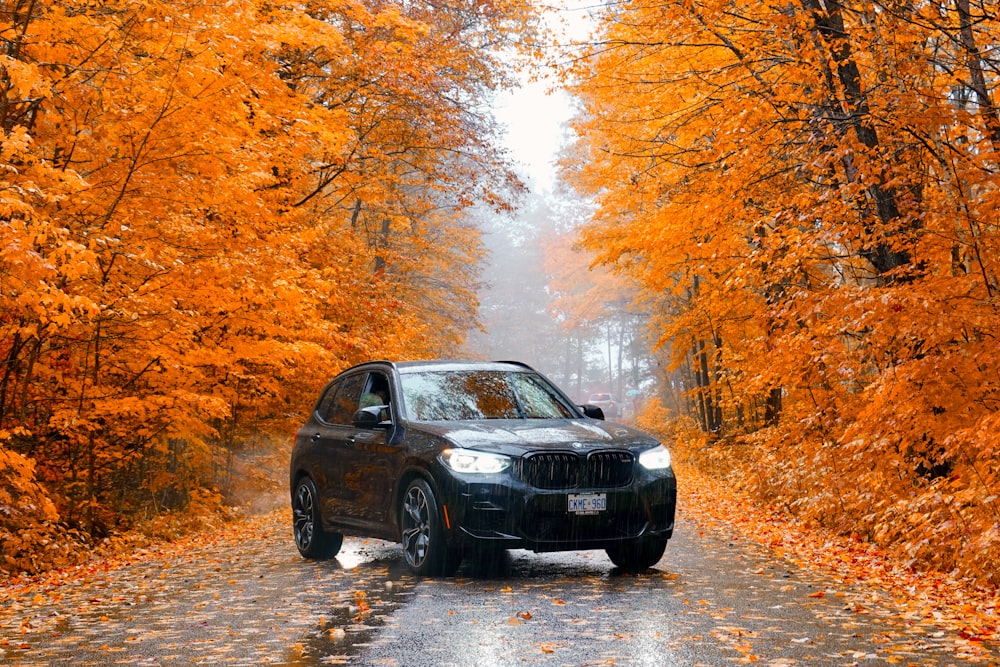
x=829, y=21
x=977, y=78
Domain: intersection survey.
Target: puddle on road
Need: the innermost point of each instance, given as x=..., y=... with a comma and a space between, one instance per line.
x=377, y=588
x=265, y=605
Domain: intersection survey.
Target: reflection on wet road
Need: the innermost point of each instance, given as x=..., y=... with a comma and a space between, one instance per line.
x=708, y=602
x=248, y=599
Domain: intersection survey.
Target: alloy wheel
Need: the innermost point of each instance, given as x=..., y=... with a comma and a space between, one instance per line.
x=416, y=526
x=303, y=511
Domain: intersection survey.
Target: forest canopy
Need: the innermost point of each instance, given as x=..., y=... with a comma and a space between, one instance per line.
x=807, y=195
x=207, y=211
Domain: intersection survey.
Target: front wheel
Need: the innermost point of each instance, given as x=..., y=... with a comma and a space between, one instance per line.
x=310, y=538
x=424, y=543
x=637, y=555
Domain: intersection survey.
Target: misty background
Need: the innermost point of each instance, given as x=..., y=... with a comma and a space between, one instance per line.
x=541, y=302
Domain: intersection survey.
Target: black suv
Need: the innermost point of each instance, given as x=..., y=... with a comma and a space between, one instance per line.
x=456, y=458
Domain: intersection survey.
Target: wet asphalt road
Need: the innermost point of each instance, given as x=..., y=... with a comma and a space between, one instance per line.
x=250, y=600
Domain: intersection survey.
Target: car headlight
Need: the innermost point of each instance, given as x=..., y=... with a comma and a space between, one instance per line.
x=470, y=461
x=657, y=458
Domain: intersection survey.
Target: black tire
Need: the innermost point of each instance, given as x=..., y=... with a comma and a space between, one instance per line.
x=307, y=524
x=422, y=533
x=637, y=555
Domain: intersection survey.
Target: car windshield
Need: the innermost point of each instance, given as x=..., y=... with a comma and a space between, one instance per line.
x=480, y=394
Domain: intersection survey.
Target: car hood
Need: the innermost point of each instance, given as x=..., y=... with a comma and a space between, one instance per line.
x=518, y=436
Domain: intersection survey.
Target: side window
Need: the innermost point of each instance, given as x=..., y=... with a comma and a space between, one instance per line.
x=344, y=403
x=376, y=391
x=326, y=400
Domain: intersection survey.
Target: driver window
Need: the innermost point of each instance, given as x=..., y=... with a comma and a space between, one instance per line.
x=376, y=391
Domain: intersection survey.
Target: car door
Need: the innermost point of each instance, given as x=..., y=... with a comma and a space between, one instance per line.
x=331, y=445
x=358, y=465
x=371, y=462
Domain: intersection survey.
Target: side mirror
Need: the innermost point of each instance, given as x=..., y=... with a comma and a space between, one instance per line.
x=372, y=417
x=592, y=411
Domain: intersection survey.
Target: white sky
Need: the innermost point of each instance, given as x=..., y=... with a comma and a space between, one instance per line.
x=534, y=115
x=534, y=119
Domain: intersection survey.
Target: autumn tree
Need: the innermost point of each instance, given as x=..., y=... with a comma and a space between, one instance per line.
x=808, y=190
x=206, y=214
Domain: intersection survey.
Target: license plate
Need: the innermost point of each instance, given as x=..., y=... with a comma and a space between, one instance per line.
x=587, y=503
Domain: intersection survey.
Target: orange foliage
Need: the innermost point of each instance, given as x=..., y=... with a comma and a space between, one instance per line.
x=30, y=540
x=207, y=213
x=808, y=194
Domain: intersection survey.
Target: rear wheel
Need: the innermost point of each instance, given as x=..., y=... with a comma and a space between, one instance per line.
x=637, y=555
x=424, y=543
x=310, y=538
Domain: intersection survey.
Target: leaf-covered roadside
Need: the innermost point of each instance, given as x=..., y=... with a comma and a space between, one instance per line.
x=714, y=495
x=131, y=549
x=804, y=196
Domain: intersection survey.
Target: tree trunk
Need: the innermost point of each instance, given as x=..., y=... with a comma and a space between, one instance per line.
x=829, y=21
x=977, y=77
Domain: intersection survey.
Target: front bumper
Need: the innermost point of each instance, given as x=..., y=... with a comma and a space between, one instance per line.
x=509, y=513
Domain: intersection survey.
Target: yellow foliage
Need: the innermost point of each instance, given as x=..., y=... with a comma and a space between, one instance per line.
x=808, y=203
x=206, y=214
